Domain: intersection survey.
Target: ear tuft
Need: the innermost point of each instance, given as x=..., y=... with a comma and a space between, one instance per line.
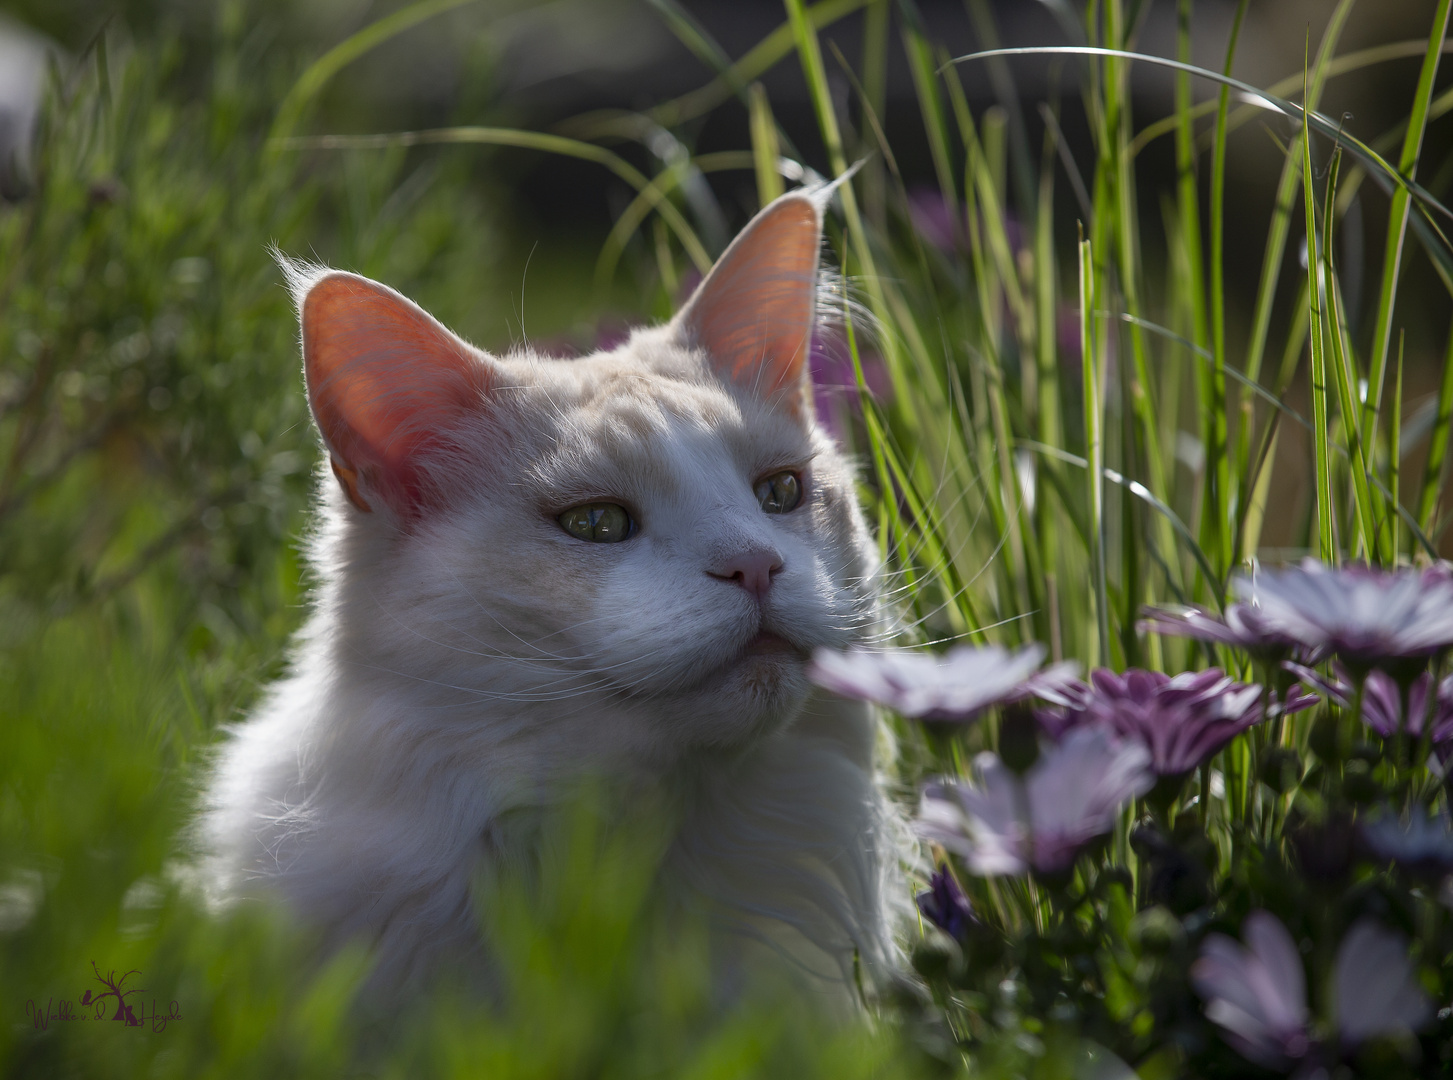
x=386, y=383
x=754, y=313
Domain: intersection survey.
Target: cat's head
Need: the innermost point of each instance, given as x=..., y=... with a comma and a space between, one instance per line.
x=645, y=543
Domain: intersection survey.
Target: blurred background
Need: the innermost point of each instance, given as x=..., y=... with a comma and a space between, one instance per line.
x=540, y=65
x=553, y=66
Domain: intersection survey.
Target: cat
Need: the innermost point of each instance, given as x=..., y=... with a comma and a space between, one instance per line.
x=532, y=569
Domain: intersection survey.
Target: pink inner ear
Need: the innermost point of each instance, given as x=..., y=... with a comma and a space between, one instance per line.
x=754, y=312
x=384, y=380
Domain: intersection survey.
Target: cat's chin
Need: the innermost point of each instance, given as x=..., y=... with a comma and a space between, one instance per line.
x=758, y=691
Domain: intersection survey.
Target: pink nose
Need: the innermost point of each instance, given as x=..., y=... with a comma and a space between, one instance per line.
x=752, y=570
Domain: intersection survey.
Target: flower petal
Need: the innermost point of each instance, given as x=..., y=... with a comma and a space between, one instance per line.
x=1376, y=992
x=1267, y=937
x=956, y=686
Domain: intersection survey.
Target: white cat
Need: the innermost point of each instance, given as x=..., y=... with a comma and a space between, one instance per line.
x=535, y=569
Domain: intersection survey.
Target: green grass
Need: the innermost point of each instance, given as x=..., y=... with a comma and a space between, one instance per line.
x=156, y=459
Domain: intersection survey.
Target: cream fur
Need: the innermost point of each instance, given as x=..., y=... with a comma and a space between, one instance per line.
x=465, y=668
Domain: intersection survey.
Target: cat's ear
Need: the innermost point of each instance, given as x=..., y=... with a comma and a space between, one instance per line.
x=753, y=315
x=386, y=383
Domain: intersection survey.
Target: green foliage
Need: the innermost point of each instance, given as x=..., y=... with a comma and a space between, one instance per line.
x=1048, y=360
x=97, y=780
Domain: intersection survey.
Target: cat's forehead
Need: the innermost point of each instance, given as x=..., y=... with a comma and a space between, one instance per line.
x=631, y=401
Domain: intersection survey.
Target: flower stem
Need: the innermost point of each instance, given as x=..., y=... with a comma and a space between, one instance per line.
x=1346, y=731
x=1430, y=710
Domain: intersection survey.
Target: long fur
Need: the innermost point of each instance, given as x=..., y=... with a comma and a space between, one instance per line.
x=460, y=672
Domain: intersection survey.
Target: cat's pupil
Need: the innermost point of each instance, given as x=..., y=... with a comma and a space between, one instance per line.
x=779, y=493
x=600, y=523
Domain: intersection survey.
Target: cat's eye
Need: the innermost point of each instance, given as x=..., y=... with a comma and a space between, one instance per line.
x=600, y=523
x=779, y=493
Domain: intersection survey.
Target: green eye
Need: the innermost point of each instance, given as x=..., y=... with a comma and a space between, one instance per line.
x=600, y=523
x=779, y=493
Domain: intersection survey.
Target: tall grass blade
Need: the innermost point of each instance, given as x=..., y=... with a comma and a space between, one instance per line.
x=1398, y=220
x=1395, y=456
x=322, y=70
x=1387, y=177
x=1046, y=410
x=667, y=180
x=1188, y=209
x=1344, y=64
x=1250, y=531
x=752, y=65
x=988, y=191
x=1204, y=355
x=1140, y=491
x=981, y=15
x=1432, y=486
x=527, y=140
x=925, y=85
x=698, y=39
x=875, y=101
x=1114, y=229
x=765, y=147
x=1094, y=451
x=809, y=50
x=1221, y=486
x=1272, y=257
x=1316, y=293
x=1345, y=375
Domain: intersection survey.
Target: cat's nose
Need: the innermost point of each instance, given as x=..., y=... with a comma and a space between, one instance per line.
x=752, y=570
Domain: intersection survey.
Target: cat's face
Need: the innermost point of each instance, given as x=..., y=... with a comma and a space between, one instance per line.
x=654, y=538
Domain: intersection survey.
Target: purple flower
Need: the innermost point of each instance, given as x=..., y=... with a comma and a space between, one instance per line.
x=1382, y=703
x=931, y=217
x=957, y=686
x=1363, y=615
x=1004, y=825
x=1382, y=707
x=1242, y=627
x=934, y=221
x=1422, y=843
x=946, y=906
x=1182, y=720
x=1257, y=994
x=1376, y=986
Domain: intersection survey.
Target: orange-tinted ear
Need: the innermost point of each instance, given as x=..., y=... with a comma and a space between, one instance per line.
x=385, y=380
x=754, y=312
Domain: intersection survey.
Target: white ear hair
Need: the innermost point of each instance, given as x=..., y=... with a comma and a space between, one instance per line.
x=300, y=274
x=823, y=192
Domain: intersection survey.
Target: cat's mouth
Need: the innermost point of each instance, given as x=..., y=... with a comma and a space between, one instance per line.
x=767, y=654
x=767, y=643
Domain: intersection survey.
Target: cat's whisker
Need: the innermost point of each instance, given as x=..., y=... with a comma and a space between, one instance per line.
x=478, y=693
x=495, y=655
x=496, y=620
x=950, y=558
